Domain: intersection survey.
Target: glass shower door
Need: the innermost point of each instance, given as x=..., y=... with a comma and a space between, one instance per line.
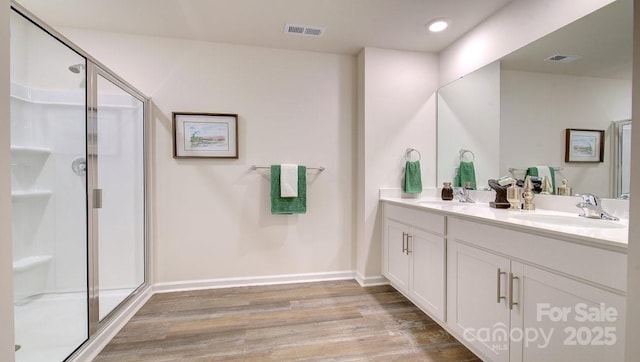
x=49, y=223
x=119, y=200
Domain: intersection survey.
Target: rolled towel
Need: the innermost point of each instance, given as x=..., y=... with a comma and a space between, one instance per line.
x=288, y=180
x=412, y=178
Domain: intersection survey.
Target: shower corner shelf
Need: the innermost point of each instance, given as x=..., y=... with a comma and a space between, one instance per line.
x=18, y=196
x=30, y=151
x=30, y=262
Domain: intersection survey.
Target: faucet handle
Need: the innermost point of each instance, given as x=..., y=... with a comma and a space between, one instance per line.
x=590, y=199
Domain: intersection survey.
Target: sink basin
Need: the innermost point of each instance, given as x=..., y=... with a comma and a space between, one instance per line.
x=571, y=221
x=443, y=202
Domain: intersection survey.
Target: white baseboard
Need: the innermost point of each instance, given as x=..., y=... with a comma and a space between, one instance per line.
x=248, y=281
x=371, y=281
x=92, y=348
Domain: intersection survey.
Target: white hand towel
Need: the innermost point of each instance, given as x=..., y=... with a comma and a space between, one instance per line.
x=288, y=180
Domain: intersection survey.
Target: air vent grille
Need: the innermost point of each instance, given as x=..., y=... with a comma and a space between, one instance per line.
x=306, y=30
x=561, y=58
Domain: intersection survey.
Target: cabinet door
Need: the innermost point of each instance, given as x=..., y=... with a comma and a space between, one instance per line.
x=428, y=272
x=565, y=320
x=396, y=260
x=477, y=303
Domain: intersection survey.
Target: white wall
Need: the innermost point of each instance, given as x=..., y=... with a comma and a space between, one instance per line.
x=633, y=255
x=397, y=112
x=6, y=270
x=515, y=25
x=212, y=217
x=536, y=108
x=469, y=118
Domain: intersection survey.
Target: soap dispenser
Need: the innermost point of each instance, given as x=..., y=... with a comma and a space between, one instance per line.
x=447, y=191
x=513, y=196
x=564, y=189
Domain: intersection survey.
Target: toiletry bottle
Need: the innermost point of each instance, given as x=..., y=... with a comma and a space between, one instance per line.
x=467, y=185
x=447, y=191
x=513, y=196
x=564, y=189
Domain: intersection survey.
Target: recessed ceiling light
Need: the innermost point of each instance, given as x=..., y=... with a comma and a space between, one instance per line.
x=438, y=25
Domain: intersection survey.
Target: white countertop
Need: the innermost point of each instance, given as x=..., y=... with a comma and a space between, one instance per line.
x=606, y=234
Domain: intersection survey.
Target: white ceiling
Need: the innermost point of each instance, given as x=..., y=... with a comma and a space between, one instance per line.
x=350, y=24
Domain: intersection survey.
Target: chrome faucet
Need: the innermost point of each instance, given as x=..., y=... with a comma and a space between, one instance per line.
x=592, y=208
x=462, y=195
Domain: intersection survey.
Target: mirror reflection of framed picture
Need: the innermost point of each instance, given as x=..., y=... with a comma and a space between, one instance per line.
x=584, y=145
x=197, y=135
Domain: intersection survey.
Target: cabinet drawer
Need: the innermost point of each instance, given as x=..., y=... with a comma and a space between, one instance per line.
x=604, y=267
x=423, y=220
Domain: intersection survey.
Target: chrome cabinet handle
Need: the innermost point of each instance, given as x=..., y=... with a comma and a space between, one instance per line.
x=409, y=237
x=500, y=297
x=511, y=302
x=404, y=238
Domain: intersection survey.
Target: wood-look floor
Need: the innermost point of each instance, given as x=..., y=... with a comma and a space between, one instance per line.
x=325, y=321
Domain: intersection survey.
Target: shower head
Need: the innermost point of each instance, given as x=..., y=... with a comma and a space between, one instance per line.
x=76, y=68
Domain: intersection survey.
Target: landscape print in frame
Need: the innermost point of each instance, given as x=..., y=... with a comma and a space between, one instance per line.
x=584, y=145
x=205, y=135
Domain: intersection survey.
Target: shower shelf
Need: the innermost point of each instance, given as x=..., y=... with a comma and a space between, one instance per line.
x=18, y=196
x=30, y=151
x=30, y=261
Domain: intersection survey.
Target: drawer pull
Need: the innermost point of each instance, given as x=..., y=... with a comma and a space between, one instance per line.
x=409, y=237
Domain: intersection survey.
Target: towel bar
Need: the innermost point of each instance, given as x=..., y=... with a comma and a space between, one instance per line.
x=525, y=170
x=254, y=167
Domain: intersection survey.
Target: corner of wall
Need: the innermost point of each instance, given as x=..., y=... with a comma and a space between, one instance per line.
x=360, y=162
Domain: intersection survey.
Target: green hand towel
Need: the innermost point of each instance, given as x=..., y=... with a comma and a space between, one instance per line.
x=466, y=173
x=412, y=178
x=533, y=171
x=288, y=205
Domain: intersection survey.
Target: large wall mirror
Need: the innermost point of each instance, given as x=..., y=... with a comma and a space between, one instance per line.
x=513, y=114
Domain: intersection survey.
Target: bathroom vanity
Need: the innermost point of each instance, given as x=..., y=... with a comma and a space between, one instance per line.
x=511, y=285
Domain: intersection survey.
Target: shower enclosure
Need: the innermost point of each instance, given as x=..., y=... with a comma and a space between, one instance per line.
x=78, y=191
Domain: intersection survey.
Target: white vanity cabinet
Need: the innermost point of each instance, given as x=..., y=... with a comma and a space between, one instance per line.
x=516, y=296
x=413, y=256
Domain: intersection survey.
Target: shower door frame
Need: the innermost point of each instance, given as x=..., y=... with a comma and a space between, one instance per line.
x=93, y=68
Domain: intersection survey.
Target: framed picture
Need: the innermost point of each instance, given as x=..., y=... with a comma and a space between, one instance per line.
x=198, y=135
x=584, y=145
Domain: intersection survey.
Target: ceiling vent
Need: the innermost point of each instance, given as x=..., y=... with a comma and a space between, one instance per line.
x=560, y=58
x=306, y=30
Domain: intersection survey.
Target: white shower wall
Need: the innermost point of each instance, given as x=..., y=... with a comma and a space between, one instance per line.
x=55, y=225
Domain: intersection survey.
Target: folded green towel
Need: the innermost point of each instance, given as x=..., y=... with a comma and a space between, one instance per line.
x=466, y=173
x=412, y=178
x=288, y=205
x=539, y=172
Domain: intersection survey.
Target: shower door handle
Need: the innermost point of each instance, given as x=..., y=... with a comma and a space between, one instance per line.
x=97, y=198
